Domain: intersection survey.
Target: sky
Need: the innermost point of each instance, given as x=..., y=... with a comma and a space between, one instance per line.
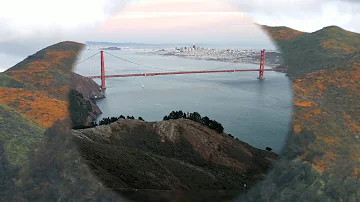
x=37, y=24
x=183, y=22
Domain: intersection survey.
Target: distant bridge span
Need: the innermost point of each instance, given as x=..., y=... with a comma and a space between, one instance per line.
x=184, y=72
x=103, y=77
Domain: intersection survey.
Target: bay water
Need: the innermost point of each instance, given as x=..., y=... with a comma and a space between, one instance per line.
x=257, y=112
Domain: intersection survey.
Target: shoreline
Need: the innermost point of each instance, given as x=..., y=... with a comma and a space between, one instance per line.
x=271, y=65
x=191, y=57
x=97, y=121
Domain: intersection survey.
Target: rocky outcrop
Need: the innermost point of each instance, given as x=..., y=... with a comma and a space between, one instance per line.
x=86, y=86
x=82, y=109
x=82, y=100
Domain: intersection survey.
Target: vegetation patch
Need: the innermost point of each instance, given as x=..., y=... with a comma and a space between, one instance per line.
x=9, y=82
x=307, y=52
x=195, y=116
x=19, y=135
x=44, y=110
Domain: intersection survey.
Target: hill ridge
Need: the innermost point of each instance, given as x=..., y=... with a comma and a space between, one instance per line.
x=333, y=28
x=49, y=69
x=336, y=27
x=182, y=140
x=307, y=52
x=40, y=54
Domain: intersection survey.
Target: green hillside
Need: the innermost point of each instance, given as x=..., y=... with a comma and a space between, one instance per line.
x=307, y=52
x=38, y=159
x=9, y=82
x=18, y=134
x=321, y=160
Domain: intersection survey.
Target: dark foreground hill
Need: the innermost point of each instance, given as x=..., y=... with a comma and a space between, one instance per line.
x=174, y=154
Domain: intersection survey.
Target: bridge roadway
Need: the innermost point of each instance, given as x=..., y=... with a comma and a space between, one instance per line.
x=186, y=72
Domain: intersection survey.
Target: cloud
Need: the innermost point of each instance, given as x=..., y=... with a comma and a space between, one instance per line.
x=112, y=7
x=352, y=1
x=304, y=15
x=47, y=18
x=51, y=22
x=184, y=22
x=28, y=26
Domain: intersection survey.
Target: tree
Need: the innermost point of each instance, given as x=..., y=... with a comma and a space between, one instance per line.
x=206, y=120
x=195, y=116
x=268, y=149
x=140, y=118
x=113, y=119
x=108, y=120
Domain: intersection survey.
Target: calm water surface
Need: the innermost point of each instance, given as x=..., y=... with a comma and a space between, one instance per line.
x=256, y=112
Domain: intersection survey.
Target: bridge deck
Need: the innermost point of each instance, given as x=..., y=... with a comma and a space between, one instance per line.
x=186, y=72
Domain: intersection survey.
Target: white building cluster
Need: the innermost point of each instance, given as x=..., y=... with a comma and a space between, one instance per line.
x=202, y=53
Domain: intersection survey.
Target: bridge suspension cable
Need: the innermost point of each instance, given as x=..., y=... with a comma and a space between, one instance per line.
x=160, y=68
x=103, y=76
x=86, y=59
x=224, y=66
x=141, y=64
x=135, y=62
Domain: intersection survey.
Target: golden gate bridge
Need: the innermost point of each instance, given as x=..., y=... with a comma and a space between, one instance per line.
x=103, y=77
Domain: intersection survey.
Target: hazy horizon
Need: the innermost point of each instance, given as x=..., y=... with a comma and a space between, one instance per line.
x=17, y=59
x=174, y=44
x=176, y=22
x=229, y=22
